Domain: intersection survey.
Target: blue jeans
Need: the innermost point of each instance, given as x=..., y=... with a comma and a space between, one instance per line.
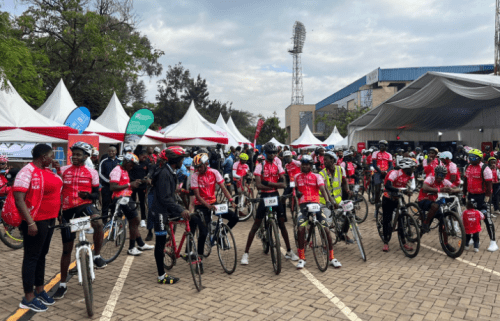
x=151, y=222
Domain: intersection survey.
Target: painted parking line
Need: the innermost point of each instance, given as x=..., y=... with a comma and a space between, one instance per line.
x=332, y=297
x=115, y=294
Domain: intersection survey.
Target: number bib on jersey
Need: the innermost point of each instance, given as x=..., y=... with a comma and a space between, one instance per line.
x=81, y=223
x=221, y=209
x=347, y=206
x=271, y=201
x=313, y=208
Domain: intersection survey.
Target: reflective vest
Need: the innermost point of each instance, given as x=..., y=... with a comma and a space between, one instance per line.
x=332, y=184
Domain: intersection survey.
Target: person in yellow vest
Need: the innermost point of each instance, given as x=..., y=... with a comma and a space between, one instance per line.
x=336, y=184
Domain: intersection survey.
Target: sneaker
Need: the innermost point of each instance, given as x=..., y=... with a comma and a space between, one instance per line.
x=149, y=237
x=34, y=305
x=134, y=251
x=244, y=259
x=291, y=256
x=476, y=249
x=336, y=264
x=348, y=240
x=466, y=248
x=73, y=271
x=61, y=291
x=301, y=264
x=99, y=262
x=385, y=248
x=167, y=279
x=493, y=246
x=408, y=247
x=44, y=298
x=143, y=223
x=146, y=247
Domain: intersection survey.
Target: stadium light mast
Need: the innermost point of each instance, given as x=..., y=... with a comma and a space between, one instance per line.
x=497, y=39
x=299, y=36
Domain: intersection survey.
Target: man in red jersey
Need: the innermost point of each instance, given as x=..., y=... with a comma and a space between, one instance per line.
x=382, y=163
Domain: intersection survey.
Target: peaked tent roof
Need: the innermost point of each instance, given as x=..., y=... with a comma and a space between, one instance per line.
x=16, y=113
x=276, y=142
x=193, y=130
x=334, y=137
x=60, y=105
x=115, y=118
x=232, y=141
x=307, y=138
x=241, y=139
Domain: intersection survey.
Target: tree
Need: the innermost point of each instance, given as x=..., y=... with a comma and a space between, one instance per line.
x=270, y=129
x=94, y=47
x=342, y=120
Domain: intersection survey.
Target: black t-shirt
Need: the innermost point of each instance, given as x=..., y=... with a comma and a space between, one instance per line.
x=140, y=171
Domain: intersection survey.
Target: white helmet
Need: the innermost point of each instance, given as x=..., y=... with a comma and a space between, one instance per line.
x=287, y=153
x=406, y=162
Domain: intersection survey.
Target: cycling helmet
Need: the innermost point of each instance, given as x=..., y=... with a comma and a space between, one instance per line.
x=347, y=153
x=332, y=155
x=11, y=174
x=131, y=158
x=294, y=153
x=440, y=171
x=269, y=147
x=406, y=162
x=95, y=152
x=476, y=152
x=445, y=155
x=460, y=147
x=243, y=156
x=260, y=157
x=492, y=158
x=200, y=159
x=425, y=151
x=173, y=152
x=157, y=149
x=374, y=149
x=434, y=149
x=87, y=148
x=306, y=159
x=487, y=147
x=4, y=158
x=363, y=151
x=287, y=153
x=383, y=142
x=418, y=149
x=127, y=148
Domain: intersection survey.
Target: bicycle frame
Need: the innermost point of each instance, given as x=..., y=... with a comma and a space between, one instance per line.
x=84, y=245
x=177, y=250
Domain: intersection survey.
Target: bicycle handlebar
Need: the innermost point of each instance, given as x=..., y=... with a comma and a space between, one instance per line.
x=256, y=200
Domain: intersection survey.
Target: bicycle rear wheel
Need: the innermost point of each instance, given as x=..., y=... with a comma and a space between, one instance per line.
x=274, y=245
x=88, y=293
x=452, y=234
x=361, y=208
x=194, y=261
x=114, y=240
x=320, y=247
x=226, y=249
x=208, y=246
x=357, y=237
x=244, y=212
x=169, y=252
x=11, y=236
x=410, y=237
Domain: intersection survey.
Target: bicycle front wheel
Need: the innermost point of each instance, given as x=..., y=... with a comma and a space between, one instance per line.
x=357, y=237
x=11, y=236
x=226, y=249
x=452, y=234
x=87, y=283
x=320, y=247
x=410, y=238
x=361, y=208
x=274, y=245
x=194, y=261
x=114, y=240
x=208, y=245
x=244, y=211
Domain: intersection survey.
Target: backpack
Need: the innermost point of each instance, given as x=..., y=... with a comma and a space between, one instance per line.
x=10, y=213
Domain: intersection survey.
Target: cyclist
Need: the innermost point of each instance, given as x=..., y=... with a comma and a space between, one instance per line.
x=419, y=156
x=460, y=158
x=492, y=163
x=80, y=189
x=268, y=178
x=203, y=183
x=340, y=155
x=478, y=186
x=240, y=170
x=3, y=180
x=319, y=158
x=292, y=168
x=308, y=187
x=394, y=180
x=431, y=161
x=427, y=197
x=121, y=187
x=382, y=163
x=453, y=175
x=349, y=167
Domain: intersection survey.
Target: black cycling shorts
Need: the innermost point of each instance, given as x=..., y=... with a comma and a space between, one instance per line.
x=304, y=216
x=129, y=210
x=262, y=209
x=75, y=212
x=378, y=178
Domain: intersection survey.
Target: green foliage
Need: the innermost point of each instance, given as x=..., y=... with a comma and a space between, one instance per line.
x=343, y=119
x=270, y=129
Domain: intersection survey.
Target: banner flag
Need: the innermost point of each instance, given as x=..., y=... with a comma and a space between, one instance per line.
x=137, y=126
x=79, y=119
x=260, y=123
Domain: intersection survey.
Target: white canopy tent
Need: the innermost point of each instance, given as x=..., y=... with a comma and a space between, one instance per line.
x=307, y=138
x=276, y=142
x=59, y=106
x=232, y=127
x=334, y=137
x=436, y=107
x=115, y=118
x=21, y=123
x=232, y=140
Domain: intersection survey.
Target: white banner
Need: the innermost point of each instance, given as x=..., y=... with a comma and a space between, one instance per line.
x=18, y=149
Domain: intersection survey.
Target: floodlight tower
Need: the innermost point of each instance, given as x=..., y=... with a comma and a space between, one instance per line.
x=497, y=39
x=299, y=36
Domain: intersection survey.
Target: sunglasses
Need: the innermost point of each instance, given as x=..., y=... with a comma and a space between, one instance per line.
x=473, y=158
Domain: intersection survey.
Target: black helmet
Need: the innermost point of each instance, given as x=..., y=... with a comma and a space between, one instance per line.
x=440, y=171
x=418, y=149
x=269, y=147
x=460, y=147
x=384, y=142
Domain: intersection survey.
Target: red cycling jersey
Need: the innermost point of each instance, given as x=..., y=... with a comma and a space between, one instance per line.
x=382, y=160
x=308, y=184
x=475, y=178
x=292, y=168
x=430, y=165
x=472, y=221
x=350, y=171
x=77, y=179
x=398, y=178
x=431, y=182
x=206, y=185
x=120, y=176
x=4, y=189
x=240, y=169
x=452, y=170
x=269, y=172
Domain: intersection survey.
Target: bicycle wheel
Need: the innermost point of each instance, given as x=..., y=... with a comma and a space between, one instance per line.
x=379, y=220
x=320, y=247
x=274, y=245
x=114, y=240
x=360, y=208
x=357, y=237
x=208, y=246
x=226, y=249
x=410, y=240
x=11, y=236
x=244, y=212
x=452, y=234
x=194, y=261
x=295, y=214
x=169, y=253
x=87, y=283
x=371, y=193
x=262, y=234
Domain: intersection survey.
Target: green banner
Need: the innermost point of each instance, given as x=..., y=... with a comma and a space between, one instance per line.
x=137, y=126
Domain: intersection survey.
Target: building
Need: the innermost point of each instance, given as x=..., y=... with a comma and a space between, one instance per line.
x=368, y=91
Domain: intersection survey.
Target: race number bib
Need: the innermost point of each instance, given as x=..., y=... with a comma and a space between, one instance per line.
x=348, y=206
x=356, y=188
x=443, y=195
x=124, y=200
x=221, y=209
x=313, y=208
x=292, y=184
x=78, y=224
x=271, y=201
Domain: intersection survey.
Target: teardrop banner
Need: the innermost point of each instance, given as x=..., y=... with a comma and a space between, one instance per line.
x=137, y=126
x=79, y=119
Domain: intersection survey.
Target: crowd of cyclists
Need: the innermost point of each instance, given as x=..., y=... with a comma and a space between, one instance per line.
x=177, y=182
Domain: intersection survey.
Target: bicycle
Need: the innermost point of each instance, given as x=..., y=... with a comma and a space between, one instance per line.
x=115, y=233
x=221, y=235
x=84, y=258
x=410, y=234
x=360, y=204
x=243, y=202
x=449, y=222
x=172, y=252
x=268, y=230
x=338, y=217
x=316, y=237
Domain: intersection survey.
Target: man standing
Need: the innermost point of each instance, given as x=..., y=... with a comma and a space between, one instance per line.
x=139, y=172
x=105, y=168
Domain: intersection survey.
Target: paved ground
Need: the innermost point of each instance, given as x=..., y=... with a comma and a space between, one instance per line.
x=388, y=286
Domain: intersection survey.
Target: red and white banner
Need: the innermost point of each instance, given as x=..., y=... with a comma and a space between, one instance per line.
x=260, y=123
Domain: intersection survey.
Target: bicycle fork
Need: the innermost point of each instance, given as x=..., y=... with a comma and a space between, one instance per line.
x=85, y=247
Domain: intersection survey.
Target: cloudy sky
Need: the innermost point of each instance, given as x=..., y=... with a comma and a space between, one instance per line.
x=240, y=47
